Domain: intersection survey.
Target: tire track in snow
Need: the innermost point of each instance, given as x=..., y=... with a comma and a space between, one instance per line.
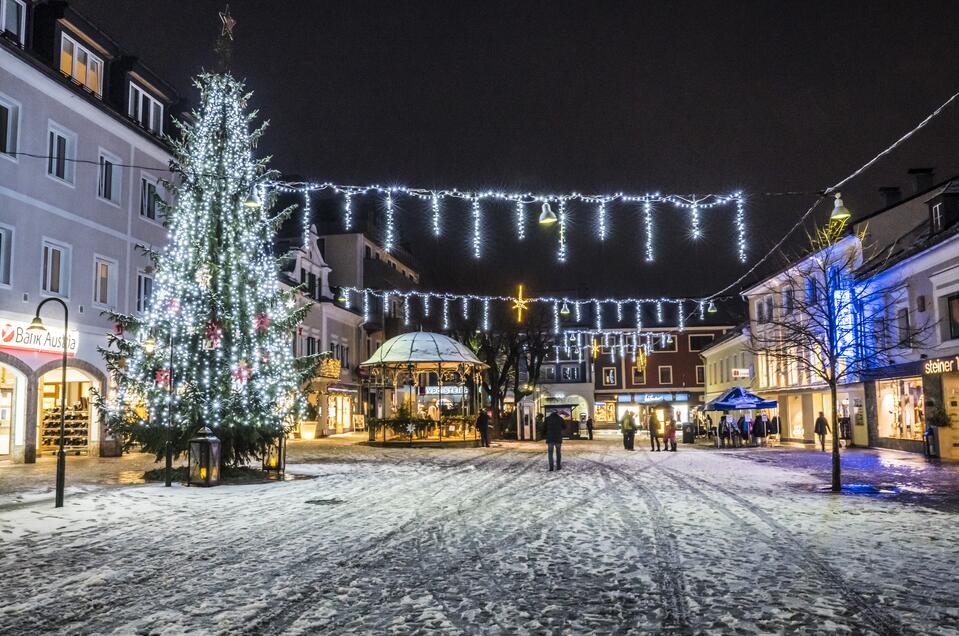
x=783, y=543
x=668, y=573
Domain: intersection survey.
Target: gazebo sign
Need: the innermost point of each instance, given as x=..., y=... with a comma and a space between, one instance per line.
x=330, y=368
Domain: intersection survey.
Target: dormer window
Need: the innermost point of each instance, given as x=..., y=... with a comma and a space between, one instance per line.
x=937, y=217
x=13, y=18
x=81, y=64
x=145, y=110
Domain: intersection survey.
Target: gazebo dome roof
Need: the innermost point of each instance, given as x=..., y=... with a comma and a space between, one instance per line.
x=422, y=347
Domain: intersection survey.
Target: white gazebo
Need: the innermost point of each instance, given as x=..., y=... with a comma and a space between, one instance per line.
x=437, y=377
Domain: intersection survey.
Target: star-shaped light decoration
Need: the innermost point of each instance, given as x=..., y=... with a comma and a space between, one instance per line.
x=595, y=348
x=520, y=304
x=228, y=22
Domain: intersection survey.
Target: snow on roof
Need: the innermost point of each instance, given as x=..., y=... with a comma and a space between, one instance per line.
x=422, y=347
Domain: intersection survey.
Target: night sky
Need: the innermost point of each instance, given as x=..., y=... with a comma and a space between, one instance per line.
x=686, y=97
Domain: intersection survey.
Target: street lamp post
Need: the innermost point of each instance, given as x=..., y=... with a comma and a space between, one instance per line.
x=37, y=325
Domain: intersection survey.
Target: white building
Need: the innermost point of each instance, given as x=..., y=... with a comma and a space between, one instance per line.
x=729, y=363
x=76, y=115
x=333, y=331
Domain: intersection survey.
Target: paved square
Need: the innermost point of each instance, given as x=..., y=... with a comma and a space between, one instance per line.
x=486, y=541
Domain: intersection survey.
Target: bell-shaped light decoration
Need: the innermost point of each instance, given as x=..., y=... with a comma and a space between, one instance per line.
x=342, y=299
x=712, y=307
x=253, y=200
x=547, y=216
x=840, y=212
x=564, y=310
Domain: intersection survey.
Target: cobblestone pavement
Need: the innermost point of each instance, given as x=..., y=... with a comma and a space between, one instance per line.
x=463, y=541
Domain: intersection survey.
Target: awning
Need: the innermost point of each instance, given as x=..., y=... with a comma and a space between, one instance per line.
x=739, y=399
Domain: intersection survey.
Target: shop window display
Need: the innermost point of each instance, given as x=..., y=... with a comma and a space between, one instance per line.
x=900, y=409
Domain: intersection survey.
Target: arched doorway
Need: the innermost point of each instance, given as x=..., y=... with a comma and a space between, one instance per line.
x=82, y=434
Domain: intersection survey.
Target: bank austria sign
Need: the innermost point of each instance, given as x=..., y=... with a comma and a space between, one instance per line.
x=15, y=335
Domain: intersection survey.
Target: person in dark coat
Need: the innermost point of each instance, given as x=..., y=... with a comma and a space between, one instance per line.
x=821, y=429
x=629, y=430
x=554, y=439
x=653, y=431
x=589, y=427
x=723, y=431
x=482, y=425
x=759, y=431
x=742, y=428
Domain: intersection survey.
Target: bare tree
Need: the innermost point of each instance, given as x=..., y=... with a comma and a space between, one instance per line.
x=827, y=319
x=535, y=343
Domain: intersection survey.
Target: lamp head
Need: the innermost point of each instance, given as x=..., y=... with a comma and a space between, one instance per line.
x=253, y=200
x=36, y=325
x=839, y=211
x=149, y=345
x=547, y=216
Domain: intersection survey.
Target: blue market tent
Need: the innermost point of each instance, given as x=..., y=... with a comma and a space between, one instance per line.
x=739, y=399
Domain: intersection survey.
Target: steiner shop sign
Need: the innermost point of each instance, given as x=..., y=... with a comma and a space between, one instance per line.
x=941, y=365
x=14, y=335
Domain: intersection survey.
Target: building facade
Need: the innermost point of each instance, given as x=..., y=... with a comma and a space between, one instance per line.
x=673, y=379
x=729, y=363
x=76, y=114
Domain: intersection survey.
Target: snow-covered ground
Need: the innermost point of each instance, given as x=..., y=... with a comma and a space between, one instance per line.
x=483, y=541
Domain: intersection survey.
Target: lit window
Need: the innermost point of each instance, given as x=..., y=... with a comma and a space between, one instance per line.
x=104, y=282
x=144, y=291
x=13, y=18
x=61, y=152
x=700, y=374
x=145, y=110
x=79, y=63
x=108, y=186
x=9, y=122
x=56, y=269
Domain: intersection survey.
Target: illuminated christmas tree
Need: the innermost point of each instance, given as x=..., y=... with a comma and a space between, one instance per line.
x=214, y=346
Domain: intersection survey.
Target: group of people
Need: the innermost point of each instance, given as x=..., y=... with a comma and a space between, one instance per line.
x=667, y=431
x=737, y=433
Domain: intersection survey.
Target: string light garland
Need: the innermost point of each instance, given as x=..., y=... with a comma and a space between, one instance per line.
x=348, y=211
x=695, y=205
x=390, y=228
x=307, y=216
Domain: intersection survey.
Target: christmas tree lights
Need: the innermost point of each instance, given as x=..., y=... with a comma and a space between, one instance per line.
x=219, y=324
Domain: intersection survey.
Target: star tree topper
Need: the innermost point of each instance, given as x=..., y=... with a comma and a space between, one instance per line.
x=228, y=22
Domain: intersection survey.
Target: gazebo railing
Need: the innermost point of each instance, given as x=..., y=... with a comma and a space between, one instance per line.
x=413, y=430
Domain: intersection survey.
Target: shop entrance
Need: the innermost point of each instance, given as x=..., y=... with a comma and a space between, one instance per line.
x=80, y=435
x=12, y=390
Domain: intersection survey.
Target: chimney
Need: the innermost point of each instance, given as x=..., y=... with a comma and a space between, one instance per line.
x=922, y=178
x=891, y=195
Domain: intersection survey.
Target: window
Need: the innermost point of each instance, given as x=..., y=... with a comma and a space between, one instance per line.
x=104, y=281
x=769, y=308
x=569, y=373
x=6, y=252
x=699, y=342
x=13, y=18
x=145, y=110
x=937, y=217
x=310, y=345
x=108, y=186
x=346, y=356
x=789, y=300
x=56, y=269
x=668, y=346
x=61, y=150
x=921, y=304
x=639, y=377
x=369, y=252
x=79, y=63
x=609, y=376
x=144, y=291
x=700, y=374
x=665, y=375
x=9, y=126
x=148, y=198
x=880, y=333
x=547, y=373
x=904, y=332
x=812, y=291
x=760, y=318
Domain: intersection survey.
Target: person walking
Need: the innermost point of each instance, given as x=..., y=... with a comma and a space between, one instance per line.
x=554, y=439
x=821, y=429
x=670, y=422
x=589, y=427
x=629, y=430
x=724, y=431
x=742, y=430
x=482, y=425
x=653, y=432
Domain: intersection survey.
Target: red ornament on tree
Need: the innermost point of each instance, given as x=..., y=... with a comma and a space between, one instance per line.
x=162, y=376
x=262, y=322
x=242, y=372
x=173, y=306
x=213, y=335
x=118, y=330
